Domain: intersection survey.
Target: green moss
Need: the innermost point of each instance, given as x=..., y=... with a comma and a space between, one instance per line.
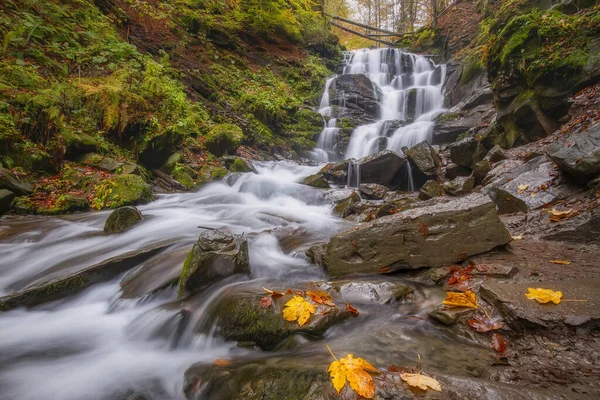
x=122, y=190
x=447, y=117
x=471, y=70
x=224, y=139
x=218, y=173
x=65, y=204
x=182, y=175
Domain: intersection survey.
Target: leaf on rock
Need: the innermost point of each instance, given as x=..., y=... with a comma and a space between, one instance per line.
x=423, y=229
x=543, y=296
x=466, y=299
x=522, y=187
x=351, y=309
x=355, y=372
x=273, y=293
x=557, y=216
x=518, y=237
x=266, y=302
x=321, y=298
x=221, y=363
x=298, y=309
x=498, y=343
x=421, y=381
x=560, y=262
x=481, y=323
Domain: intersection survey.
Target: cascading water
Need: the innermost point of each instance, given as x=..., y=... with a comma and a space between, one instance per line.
x=412, y=95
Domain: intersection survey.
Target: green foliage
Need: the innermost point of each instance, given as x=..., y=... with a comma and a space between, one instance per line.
x=224, y=139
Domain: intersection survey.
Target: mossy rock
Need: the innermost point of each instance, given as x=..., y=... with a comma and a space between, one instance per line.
x=224, y=139
x=23, y=206
x=171, y=163
x=101, y=162
x=122, y=219
x=79, y=144
x=6, y=198
x=238, y=164
x=316, y=181
x=155, y=151
x=123, y=190
x=66, y=204
x=183, y=176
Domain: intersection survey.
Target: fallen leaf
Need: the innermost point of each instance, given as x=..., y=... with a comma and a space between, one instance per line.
x=289, y=291
x=466, y=299
x=498, y=343
x=561, y=262
x=321, y=298
x=221, y=363
x=482, y=323
x=519, y=237
x=522, y=187
x=355, y=372
x=351, y=309
x=558, y=216
x=421, y=381
x=273, y=293
x=423, y=229
x=532, y=194
x=385, y=270
x=298, y=309
x=543, y=296
x=266, y=302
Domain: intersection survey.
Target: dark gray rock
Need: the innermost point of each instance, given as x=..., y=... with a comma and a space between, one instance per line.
x=456, y=229
x=385, y=168
x=459, y=186
x=336, y=172
x=453, y=170
x=356, y=98
x=520, y=312
x=343, y=207
x=583, y=228
x=495, y=154
x=215, y=255
x=6, y=197
x=424, y=158
x=467, y=152
x=9, y=182
x=579, y=155
x=122, y=219
x=373, y=191
x=316, y=253
x=480, y=170
x=450, y=315
x=317, y=181
x=431, y=189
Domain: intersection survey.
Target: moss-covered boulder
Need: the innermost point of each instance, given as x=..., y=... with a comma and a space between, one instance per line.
x=460, y=185
x=215, y=255
x=316, y=181
x=23, y=206
x=8, y=181
x=224, y=139
x=184, y=175
x=6, y=197
x=101, y=162
x=122, y=219
x=238, y=164
x=123, y=190
x=78, y=144
x=65, y=204
x=431, y=189
x=156, y=150
x=171, y=163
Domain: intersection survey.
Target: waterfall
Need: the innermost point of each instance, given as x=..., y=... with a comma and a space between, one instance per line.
x=412, y=96
x=353, y=174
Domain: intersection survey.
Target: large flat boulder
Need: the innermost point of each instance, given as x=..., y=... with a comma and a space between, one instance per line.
x=520, y=312
x=435, y=235
x=385, y=168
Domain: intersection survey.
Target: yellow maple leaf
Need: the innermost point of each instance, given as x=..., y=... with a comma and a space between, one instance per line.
x=543, y=296
x=354, y=371
x=421, y=381
x=298, y=309
x=466, y=299
x=560, y=262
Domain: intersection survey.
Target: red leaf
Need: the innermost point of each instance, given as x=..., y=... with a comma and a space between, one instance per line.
x=351, y=309
x=498, y=343
x=266, y=302
x=482, y=323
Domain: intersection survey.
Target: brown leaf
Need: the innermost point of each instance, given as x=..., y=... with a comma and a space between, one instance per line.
x=423, y=229
x=274, y=294
x=498, y=343
x=266, y=302
x=321, y=298
x=385, y=270
x=351, y=309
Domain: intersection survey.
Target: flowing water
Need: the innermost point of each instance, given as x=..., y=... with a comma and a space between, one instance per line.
x=124, y=339
x=412, y=96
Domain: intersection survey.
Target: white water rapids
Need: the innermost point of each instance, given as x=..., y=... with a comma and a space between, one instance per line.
x=412, y=88
x=96, y=345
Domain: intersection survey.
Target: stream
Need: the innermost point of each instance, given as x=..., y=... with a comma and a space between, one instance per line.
x=123, y=339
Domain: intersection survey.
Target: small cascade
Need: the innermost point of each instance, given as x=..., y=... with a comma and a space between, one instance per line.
x=411, y=88
x=353, y=174
x=411, y=180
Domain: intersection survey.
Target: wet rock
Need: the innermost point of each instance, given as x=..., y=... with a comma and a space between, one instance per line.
x=238, y=164
x=80, y=144
x=424, y=158
x=101, y=162
x=385, y=168
x=6, y=197
x=467, y=152
x=538, y=178
x=495, y=154
x=579, y=155
x=431, y=189
x=127, y=189
x=316, y=181
x=380, y=292
x=214, y=256
x=184, y=174
x=242, y=318
x=171, y=163
x=520, y=312
x=9, y=182
x=450, y=315
x=76, y=282
x=583, y=228
x=65, y=204
x=373, y=191
x=453, y=171
x=317, y=253
x=358, y=97
x=336, y=172
x=122, y=219
x=460, y=185
x=224, y=139
x=343, y=207
x=480, y=170
x=456, y=229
